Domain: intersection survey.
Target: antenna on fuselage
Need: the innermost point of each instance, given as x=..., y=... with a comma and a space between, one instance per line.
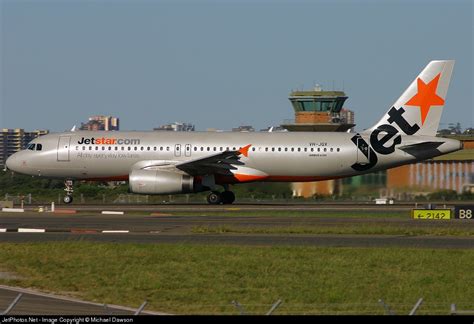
x=73, y=129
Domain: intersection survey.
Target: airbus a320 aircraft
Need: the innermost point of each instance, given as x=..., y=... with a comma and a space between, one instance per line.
x=185, y=162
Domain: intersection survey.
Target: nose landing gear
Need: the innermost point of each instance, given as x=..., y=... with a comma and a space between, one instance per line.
x=69, y=190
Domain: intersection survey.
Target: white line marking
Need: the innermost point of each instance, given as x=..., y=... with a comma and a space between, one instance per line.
x=31, y=230
x=13, y=210
x=116, y=231
x=3, y=230
x=108, y=212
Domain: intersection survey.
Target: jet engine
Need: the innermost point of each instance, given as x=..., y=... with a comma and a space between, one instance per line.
x=158, y=182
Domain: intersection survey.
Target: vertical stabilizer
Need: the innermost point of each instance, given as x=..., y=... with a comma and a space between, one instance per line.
x=418, y=110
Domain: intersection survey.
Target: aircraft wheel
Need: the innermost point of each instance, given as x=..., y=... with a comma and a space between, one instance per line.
x=214, y=198
x=228, y=197
x=67, y=199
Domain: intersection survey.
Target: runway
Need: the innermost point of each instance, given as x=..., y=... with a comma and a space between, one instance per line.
x=144, y=228
x=266, y=206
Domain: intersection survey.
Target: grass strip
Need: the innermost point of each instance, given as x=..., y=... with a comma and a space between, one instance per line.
x=205, y=279
x=362, y=229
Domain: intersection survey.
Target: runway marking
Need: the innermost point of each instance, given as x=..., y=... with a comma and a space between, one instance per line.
x=13, y=210
x=109, y=212
x=115, y=231
x=31, y=230
x=3, y=230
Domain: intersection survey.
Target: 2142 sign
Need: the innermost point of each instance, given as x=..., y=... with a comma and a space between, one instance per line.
x=431, y=213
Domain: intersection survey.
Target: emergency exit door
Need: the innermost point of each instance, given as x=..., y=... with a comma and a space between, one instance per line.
x=63, y=148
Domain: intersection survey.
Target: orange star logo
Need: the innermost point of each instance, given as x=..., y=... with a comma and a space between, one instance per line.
x=426, y=97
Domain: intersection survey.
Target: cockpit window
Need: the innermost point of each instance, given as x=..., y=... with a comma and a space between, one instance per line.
x=39, y=147
x=31, y=147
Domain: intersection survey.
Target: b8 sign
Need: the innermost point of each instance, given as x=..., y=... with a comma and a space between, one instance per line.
x=464, y=212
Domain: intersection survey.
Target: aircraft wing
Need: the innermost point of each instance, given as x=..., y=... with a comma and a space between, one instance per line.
x=220, y=163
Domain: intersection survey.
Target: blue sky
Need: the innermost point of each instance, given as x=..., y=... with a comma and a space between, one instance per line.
x=222, y=64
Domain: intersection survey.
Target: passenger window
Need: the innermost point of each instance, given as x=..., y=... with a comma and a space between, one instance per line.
x=215, y=148
x=202, y=148
x=325, y=149
x=221, y=149
x=292, y=149
x=103, y=148
x=299, y=149
x=83, y=148
x=279, y=149
x=96, y=148
x=110, y=148
x=129, y=148
x=338, y=149
x=306, y=149
x=266, y=149
x=253, y=149
x=148, y=148
x=135, y=148
x=208, y=148
x=123, y=148
x=77, y=148
x=116, y=148
x=286, y=149
x=141, y=148
x=195, y=149
x=331, y=149
x=273, y=149
x=90, y=148
x=167, y=148
x=319, y=149
x=312, y=149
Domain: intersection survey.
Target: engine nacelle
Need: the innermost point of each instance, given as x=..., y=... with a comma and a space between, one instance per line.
x=157, y=182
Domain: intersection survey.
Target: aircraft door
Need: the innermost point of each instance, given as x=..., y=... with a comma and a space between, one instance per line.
x=177, y=150
x=63, y=148
x=363, y=152
x=187, y=150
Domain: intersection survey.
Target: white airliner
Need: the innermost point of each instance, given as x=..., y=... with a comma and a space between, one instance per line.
x=185, y=162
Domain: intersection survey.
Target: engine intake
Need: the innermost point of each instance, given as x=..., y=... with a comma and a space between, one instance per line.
x=159, y=182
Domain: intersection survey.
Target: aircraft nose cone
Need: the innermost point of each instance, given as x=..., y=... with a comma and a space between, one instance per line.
x=12, y=163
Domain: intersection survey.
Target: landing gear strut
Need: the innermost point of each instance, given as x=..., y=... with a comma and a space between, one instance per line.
x=69, y=190
x=216, y=198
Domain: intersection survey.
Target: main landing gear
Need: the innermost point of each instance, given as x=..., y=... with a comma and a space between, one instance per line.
x=69, y=190
x=225, y=197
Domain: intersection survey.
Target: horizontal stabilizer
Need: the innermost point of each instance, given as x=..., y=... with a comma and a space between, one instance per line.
x=422, y=150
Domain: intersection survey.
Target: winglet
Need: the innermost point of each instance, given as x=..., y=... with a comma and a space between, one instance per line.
x=245, y=150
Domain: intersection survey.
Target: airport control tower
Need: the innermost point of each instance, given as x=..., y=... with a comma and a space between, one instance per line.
x=319, y=111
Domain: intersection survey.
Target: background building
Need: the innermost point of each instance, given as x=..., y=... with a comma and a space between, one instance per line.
x=14, y=140
x=176, y=127
x=100, y=122
x=454, y=171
